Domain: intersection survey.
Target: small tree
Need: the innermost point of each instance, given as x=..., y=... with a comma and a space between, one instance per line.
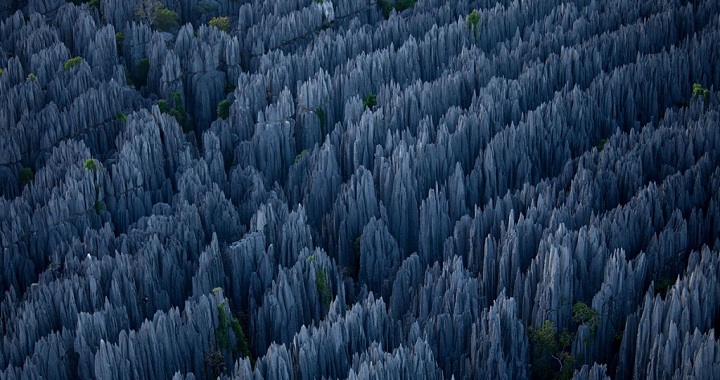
x=154, y=13
x=141, y=72
x=119, y=39
x=162, y=105
x=166, y=20
x=148, y=10
x=26, y=176
x=584, y=314
x=223, y=109
x=402, y=5
x=699, y=91
x=370, y=101
x=472, y=20
x=90, y=164
x=322, y=287
x=222, y=23
x=551, y=355
x=297, y=159
x=320, y=113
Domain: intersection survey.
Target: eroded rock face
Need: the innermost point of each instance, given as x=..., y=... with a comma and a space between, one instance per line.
x=323, y=192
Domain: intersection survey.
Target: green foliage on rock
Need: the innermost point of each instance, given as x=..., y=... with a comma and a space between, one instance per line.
x=601, y=145
x=551, y=352
x=162, y=105
x=26, y=176
x=663, y=285
x=370, y=101
x=297, y=159
x=119, y=40
x=139, y=75
x=221, y=332
x=90, y=164
x=242, y=344
x=584, y=314
x=178, y=112
x=222, y=23
x=386, y=6
x=72, y=62
x=167, y=20
x=320, y=113
x=223, y=109
x=154, y=13
x=699, y=91
x=322, y=287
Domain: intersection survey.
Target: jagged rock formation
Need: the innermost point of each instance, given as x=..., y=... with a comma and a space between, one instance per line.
x=360, y=189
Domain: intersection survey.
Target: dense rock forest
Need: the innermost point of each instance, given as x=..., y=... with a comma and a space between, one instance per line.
x=359, y=189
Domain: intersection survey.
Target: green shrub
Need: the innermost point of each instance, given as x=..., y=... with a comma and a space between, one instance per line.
x=401, y=5
x=99, y=207
x=699, y=91
x=221, y=336
x=178, y=112
x=94, y=3
x=154, y=13
x=141, y=72
x=26, y=176
x=473, y=19
x=72, y=62
x=31, y=77
x=1, y=72
x=166, y=20
x=386, y=7
x=222, y=23
x=601, y=145
x=119, y=40
x=663, y=285
x=90, y=164
x=242, y=344
x=223, y=109
x=370, y=101
x=584, y=314
x=162, y=105
x=356, y=245
x=121, y=117
x=299, y=156
x=320, y=113
x=551, y=356
x=322, y=287
x=204, y=8
x=216, y=362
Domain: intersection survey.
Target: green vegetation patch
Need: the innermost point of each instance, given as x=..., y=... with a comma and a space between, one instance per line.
x=551, y=352
x=72, y=62
x=386, y=6
x=223, y=109
x=222, y=23
x=584, y=314
x=370, y=101
x=297, y=159
x=699, y=91
x=26, y=176
x=322, y=287
x=90, y=164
